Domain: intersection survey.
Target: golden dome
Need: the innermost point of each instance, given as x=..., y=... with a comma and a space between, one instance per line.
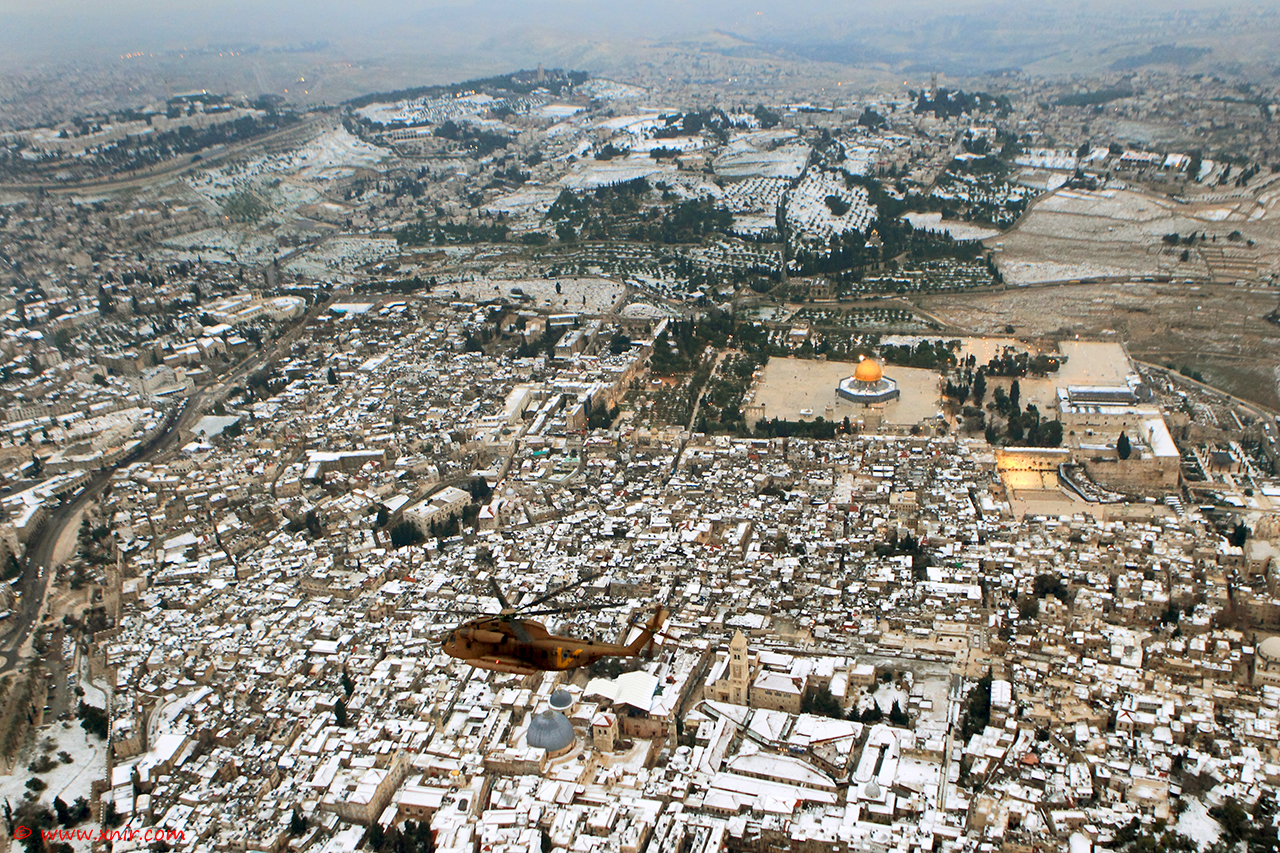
x=868, y=371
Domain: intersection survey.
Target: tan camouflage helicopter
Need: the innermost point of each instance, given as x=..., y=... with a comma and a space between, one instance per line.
x=513, y=642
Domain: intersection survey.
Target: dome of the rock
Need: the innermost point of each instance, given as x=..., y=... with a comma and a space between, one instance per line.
x=868, y=385
x=868, y=371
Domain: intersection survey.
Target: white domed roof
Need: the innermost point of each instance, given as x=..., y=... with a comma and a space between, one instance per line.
x=1270, y=649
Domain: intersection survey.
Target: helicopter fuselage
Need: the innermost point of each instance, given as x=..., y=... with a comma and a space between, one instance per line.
x=492, y=643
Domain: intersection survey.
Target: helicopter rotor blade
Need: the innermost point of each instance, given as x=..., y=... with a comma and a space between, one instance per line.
x=552, y=611
x=450, y=611
x=559, y=591
x=498, y=594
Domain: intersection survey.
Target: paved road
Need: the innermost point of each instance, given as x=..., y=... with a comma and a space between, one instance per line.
x=35, y=579
x=39, y=560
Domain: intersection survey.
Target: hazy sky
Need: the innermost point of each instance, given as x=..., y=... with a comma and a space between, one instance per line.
x=122, y=25
x=100, y=28
x=117, y=24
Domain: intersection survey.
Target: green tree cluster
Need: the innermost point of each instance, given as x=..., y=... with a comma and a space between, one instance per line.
x=410, y=838
x=929, y=355
x=438, y=233
x=93, y=720
x=977, y=709
x=817, y=428
x=478, y=140
x=244, y=206
x=949, y=104
x=405, y=533
x=821, y=703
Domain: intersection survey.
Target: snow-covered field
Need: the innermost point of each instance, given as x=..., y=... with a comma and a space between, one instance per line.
x=884, y=697
x=286, y=183
x=609, y=90
x=691, y=185
x=1074, y=234
x=647, y=309
x=1040, y=179
x=887, y=695
x=589, y=174
x=637, y=125
x=221, y=244
x=333, y=154
x=745, y=160
x=754, y=195
x=1048, y=158
x=289, y=194
x=577, y=295
x=66, y=780
x=958, y=230
x=1113, y=204
x=1034, y=272
x=808, y=213
x=528, y=200
x=764, y=139
x=753, y=224
x=337, y=258
x=1216, y=214
x=428, y=110
x=1196, y=824
x=675, y=143
x=557, y=110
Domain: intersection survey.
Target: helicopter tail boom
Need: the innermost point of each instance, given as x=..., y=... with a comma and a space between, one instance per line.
x=646, y=634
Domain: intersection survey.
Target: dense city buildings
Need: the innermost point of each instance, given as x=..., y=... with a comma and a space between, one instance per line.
x=962, y=502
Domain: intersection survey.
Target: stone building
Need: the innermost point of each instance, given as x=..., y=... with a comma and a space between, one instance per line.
x=730, y=678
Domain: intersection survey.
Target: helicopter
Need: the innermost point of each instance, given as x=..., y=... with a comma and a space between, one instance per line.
x=512, y=642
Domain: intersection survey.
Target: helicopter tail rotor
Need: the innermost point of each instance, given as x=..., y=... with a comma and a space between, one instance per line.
x=647, y=633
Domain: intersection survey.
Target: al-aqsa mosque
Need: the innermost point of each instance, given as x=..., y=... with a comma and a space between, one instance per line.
x=868, y=385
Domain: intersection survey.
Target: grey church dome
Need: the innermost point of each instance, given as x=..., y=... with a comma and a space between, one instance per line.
x=551, y=731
